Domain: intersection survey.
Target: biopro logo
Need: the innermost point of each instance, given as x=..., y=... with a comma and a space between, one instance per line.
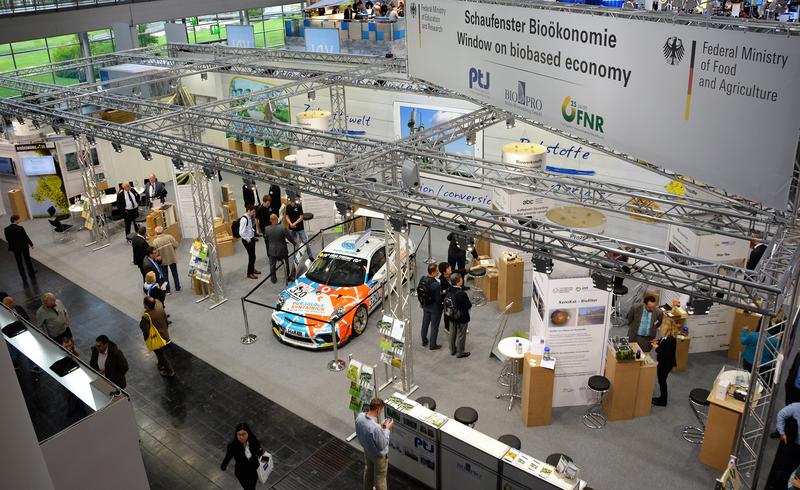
x=571, y=111
x=477, y=76
x=521, y=97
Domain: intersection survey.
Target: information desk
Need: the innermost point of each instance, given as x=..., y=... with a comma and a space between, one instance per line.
x=413, y=446
x=470, y=460
x=632, y=384
x=724, y=415
x=537, y=391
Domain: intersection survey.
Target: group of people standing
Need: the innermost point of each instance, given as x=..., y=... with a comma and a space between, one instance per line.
x=441, y=294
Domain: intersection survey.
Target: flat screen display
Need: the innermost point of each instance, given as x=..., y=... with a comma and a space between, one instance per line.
x=39, y=165
x=6, y=166
x=322, y=40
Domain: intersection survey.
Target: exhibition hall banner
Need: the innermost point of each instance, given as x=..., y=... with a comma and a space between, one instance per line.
x=718, y=106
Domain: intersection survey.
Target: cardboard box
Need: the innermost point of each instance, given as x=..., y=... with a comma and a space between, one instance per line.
x=225, y=246
x=221, y=227
x=200, y=288
x=483, y=246
x=279, y=153
x=263, y=151
x=741, y=319
x=682, y=353
x=488, y=284
x=116, y=116
x=644, y=390
x=511, y=275
x=227, y=195
x=234, y=145
x=18, y=207
x=248, y=147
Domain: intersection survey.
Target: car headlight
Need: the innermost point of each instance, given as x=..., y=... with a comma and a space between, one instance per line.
x=281, y=300
x=338, y=313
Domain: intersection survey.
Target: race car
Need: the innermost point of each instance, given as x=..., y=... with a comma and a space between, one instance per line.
x=337, y=287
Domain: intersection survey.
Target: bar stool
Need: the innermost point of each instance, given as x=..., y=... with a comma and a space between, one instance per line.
x=594, y=418
x=619, y=291
x=427, y=402
x=698, y=401
x=505, y=375
x=554, y=458
x=478, y=298
x=466, y=415
x=510, y=440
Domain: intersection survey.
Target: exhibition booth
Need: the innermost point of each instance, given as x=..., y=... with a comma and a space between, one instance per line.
x=552, y=371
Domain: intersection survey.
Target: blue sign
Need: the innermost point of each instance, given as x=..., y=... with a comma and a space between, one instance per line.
x=241, y=36
x=322, y=40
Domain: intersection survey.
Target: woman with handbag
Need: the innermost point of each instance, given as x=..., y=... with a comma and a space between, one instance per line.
x=245, y=451
x=665, y=348
x=156, y=334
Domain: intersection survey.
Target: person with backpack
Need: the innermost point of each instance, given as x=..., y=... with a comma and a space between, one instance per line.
x=245, y=229
x=445, y=271
x=429, y=295
x=456, y=309
x=460, y=243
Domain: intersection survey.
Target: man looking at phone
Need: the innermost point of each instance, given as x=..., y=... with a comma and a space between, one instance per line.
x=374, y=438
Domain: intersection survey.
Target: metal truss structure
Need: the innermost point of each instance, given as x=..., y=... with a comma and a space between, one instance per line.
x=97, y=218
x=366, y=174
x=397, y=299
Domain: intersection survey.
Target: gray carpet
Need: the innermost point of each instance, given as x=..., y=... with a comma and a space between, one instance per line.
x=625, y=455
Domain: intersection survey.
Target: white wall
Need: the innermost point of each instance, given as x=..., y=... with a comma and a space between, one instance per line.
x=129, y=165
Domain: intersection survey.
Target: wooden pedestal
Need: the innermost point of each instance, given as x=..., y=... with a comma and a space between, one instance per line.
x=631, y=386
x=18, y=207
x=682, y=354
x=720, y=434
x=537, y=392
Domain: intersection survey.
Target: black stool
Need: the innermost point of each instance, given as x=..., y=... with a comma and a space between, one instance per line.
x=554, y=458
x=466, y=415
x=698, y=401
x=478, y=298
x=510, y=440
x=594, y=418
x=427, y=402
x=616, y=318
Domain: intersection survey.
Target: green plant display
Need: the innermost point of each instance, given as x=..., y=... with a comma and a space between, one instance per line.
x=49, y=187
x=626, y=355
x=520, y=334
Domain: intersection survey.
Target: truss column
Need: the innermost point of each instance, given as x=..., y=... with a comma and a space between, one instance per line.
x=759, y=408
x=338, y=109
x=93, y=194
x=400, y=280
x=204, y=216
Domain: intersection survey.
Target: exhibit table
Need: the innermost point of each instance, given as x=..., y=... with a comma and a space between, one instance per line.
x=632, y=384
x=724, y=414
x=414, y=439
x=514, y=349
x=538, y=380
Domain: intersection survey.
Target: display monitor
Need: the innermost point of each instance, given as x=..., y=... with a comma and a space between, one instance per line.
x=45, y=165
x=6, y=166
x=322, y=40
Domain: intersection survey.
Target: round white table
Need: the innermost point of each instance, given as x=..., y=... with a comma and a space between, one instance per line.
x=76, y=208
x=508, y=347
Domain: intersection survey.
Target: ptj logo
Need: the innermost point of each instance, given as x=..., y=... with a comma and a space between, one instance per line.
x=477, y=76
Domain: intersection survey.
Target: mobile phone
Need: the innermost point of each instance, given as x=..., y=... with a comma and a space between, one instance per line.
x=387, y=420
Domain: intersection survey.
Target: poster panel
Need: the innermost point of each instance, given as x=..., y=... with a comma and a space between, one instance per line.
x=675, y=95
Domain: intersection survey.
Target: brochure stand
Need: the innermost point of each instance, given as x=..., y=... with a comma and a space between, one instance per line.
x=363, y=388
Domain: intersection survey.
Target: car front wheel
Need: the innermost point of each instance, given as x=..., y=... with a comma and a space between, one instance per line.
x=360, y=320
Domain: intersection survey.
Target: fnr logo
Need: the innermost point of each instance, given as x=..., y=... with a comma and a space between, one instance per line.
x=571, y=111
x=477, y=76
x=520, y=96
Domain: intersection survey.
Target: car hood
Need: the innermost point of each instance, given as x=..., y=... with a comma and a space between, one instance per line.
x=318, y=301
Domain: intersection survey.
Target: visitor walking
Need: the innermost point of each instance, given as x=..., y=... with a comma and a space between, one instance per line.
x=245, y=450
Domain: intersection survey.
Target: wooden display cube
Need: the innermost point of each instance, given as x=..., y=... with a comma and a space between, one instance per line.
x=483, y=246
x=742, y=319
x=644, y=389
x=249, y=147
x=488, y=284
x=264, y=151
x=225, y=246
x=682, y=353
x=227, y=194
x=200, y=288
x=620, y=402
x=536, y=406
x=279, y=153
x=18, y=207
x=235, y=145
x=511, y=273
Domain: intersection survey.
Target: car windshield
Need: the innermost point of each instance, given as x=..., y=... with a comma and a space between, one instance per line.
x=338, y=270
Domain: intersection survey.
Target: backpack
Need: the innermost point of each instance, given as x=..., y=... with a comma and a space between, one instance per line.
x=450, y=310
x=424, y=292
x=235, y=228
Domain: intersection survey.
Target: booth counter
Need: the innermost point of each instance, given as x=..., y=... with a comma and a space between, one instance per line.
x=632, y=384
x=724, y=414
x=537, y=391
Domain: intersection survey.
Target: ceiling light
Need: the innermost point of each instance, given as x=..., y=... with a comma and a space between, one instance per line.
x=90, y=139
x=177, y=163
x=602, y=281
x=117, y=147
x=542, y=264
x=173, y=84
x=698, y=306
x=35, y=123
x=209, y=172
x=147, y=155
x=204, y=76
x=136, y=91
x=312, y=95
x=510, y=123
x=56, y=129
x=20, y=120
x=471, y=139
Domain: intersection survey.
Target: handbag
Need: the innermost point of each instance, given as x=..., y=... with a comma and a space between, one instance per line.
x=154, y=339
x=265, y=464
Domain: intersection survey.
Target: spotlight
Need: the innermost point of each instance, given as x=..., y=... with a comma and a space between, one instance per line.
x=343, y=208
x=173, y=84
x=312, y=95
x=90, y=139
x=292, y=195
x=56, y=129
x=397, y=223
x=698, y=306
x=177, y=163
x=204, y=76
x=146, y=155
x=35, y=123
x=510, y=123
x=20, y=120
x=76, y=136
x=410, y=174
x=117, y=147
x=542, y=264
x=209, y=172
x=471, y=139
x=136, y=91
x=602, y=281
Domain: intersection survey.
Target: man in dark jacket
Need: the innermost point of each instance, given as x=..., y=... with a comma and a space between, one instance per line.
x=139, y=245
x=128, y=204
x=457, y=250
x=643, y=322
x=431, y=312
x=459, y=321
x=152, y=262
x=109, y=361
x=20, y=243
x=276, y=237
x=153, y=190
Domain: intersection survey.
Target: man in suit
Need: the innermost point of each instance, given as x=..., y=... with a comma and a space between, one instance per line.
x=109, y=361
x=152, y=263
x=756, y=252
x=460, y=322
x=643, y=321
x=139, y=245
x=153, y=190
x=276, y=237
x=128, y=204
x=20, y=243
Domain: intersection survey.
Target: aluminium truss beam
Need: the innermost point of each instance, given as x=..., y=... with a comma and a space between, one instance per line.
x=689, y=275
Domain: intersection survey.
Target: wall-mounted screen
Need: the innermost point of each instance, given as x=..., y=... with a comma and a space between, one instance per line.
x=39, y=165
x=72, y=160
x=6, y=166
